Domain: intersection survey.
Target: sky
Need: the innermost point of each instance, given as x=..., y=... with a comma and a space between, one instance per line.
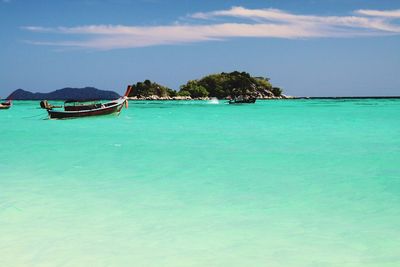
x=306, y=47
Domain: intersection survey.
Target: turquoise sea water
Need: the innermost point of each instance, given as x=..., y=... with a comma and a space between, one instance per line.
x=278, y=183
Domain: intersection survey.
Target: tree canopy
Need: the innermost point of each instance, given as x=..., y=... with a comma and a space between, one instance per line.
x=148, y=88
x=223, y=85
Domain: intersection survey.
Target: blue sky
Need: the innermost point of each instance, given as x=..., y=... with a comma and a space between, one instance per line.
x=309, y=48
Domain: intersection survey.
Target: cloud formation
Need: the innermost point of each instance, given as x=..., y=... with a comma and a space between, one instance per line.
x=380, y=13
x=224, y=24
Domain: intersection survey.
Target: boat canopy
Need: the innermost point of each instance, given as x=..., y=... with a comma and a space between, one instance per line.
x=81, y=101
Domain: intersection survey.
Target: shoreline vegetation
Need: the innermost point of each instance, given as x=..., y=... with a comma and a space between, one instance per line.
x=221, y=86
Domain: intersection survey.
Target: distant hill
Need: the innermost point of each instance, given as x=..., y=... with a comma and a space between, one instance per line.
x=65, y=94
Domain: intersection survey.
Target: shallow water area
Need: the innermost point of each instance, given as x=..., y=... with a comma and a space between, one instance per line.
x=203, y=183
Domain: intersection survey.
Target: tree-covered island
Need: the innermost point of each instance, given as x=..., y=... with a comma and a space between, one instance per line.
x=222, y=86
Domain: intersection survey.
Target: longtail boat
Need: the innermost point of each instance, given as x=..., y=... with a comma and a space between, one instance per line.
x=78, y=109
x=243, y=100
x=6, y=105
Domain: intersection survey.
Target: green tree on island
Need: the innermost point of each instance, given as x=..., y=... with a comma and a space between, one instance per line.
x=148, y=88
x=194, y=89
x=276, y=91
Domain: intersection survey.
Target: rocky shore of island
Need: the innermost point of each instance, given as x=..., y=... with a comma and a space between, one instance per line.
x=160, y=98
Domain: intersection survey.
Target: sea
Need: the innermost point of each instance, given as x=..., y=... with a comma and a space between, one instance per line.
x=278, y=183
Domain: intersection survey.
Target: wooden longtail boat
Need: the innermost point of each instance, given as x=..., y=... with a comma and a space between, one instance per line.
x=77, y=109
x=5, y=105
x=243, y=100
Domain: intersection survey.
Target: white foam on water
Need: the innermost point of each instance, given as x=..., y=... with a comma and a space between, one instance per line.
x=214, y=101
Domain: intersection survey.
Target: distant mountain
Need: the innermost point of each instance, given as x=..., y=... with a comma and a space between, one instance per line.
x=87, y=93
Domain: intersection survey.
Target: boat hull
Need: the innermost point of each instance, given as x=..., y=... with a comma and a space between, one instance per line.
x=5, y=105
x=245, y=101
x=106, y=110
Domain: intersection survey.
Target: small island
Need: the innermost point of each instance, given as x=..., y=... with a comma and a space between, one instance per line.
x=222, y=86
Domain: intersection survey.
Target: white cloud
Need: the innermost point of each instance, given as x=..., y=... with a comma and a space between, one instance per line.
x=276, y=15
x=37, y=29
x=379, y=13
x=261, y=23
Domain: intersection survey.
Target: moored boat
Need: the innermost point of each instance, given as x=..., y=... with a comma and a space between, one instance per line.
x=78, y=109
x=243, y=100
x=6, y=105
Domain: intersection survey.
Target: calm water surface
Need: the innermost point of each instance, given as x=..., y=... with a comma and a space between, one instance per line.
x=278, y=183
